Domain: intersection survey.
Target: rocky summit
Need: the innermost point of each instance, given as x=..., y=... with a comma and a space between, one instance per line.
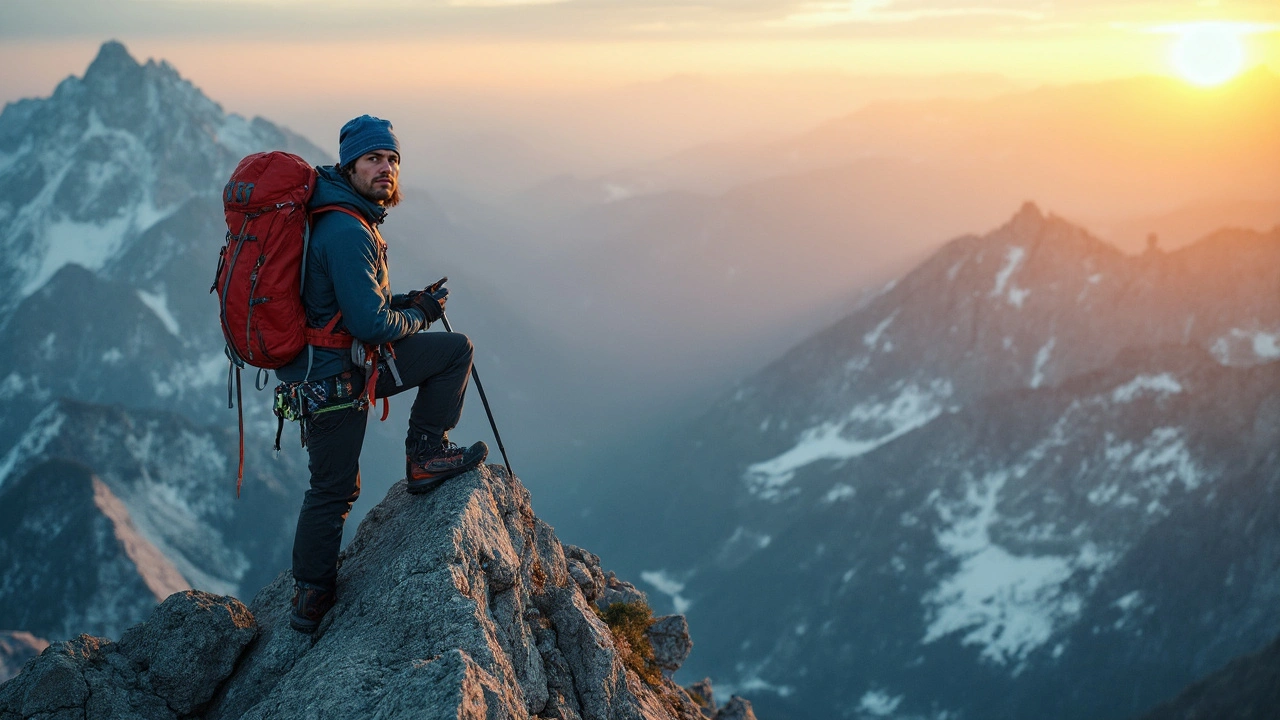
x=459, y=604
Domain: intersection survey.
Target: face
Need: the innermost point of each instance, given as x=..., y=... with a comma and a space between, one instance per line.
x=376, y=174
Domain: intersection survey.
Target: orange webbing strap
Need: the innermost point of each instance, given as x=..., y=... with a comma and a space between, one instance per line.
x=338, y=340
x=240, y=418
x=363, y=221
x=371, y=380
x=329, y=336
x=344, y=211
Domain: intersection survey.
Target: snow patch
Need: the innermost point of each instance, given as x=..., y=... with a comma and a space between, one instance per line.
x=866, y=427
x=1127, y=605
x=112, y=356
x=1130, y=601
x=12, y=386
x=870, y=339
x=663, y=582
x=743, y=543
x=1012, y=260
x=1164, y=384
x=1239, y=347
x=1042, y=359
x=1007, y=604
x=841, y=491
x=185, y=378
x=158, y=302
x=43, y=429
x=1165, y=460
x=236, y=134
x=879, y=703
x=1017, y=295
x=1266, y=345
x=89, y=245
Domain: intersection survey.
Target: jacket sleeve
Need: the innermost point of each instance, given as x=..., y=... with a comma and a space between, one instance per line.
x=355, y=265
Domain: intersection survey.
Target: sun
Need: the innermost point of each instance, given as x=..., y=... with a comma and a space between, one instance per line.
x=1208, y=53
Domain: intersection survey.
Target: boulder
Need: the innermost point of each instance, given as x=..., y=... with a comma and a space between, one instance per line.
x=704, y=695
x=167, y=667
x=736, y=709
x=669, y=636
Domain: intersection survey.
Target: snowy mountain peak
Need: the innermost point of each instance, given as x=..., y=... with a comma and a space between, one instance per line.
x=112, y=64
x=1009, y=473
x=1028, y=216
x=136, y=143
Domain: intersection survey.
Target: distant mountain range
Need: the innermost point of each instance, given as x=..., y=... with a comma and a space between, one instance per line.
x=717, y=259
x=1033, y=478
x=117, y=491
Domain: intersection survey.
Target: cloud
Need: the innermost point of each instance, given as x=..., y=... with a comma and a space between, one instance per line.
x=1233, y=28
x=602, y=20
x=503, y=3
x=885, y=12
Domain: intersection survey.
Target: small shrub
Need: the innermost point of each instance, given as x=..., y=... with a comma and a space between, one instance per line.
x=628, y=622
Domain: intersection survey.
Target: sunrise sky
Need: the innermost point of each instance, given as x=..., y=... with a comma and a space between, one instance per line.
x=429, y=43
x=448, y=68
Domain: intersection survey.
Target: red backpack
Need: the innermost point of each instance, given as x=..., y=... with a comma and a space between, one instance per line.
x=261, y=274
x=259, y=278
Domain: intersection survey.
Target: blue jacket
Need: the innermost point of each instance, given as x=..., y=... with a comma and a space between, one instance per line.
x=346, y=268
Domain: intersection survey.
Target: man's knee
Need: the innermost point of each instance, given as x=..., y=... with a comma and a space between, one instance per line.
x=465, y=349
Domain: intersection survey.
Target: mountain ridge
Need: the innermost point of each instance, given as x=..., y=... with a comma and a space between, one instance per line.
x=986, y=413
x=457, y=604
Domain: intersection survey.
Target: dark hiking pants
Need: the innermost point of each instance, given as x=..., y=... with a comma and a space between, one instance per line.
x=438, y=365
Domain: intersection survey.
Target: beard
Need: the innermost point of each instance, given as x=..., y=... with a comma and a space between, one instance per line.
x=374, y=190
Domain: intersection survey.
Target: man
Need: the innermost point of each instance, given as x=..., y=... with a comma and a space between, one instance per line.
x=347, y=291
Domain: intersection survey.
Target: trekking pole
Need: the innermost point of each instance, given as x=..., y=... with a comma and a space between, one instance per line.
x=479, y=387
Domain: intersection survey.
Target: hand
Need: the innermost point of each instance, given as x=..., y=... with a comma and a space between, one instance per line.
x=430, y=303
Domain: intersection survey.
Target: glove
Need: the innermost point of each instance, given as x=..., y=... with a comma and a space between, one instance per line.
x=430, y=300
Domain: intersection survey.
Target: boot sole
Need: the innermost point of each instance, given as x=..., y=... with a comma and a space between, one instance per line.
x=301, y=625
x=418, y=487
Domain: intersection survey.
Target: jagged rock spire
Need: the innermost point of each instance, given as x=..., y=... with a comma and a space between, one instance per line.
x=457, y=604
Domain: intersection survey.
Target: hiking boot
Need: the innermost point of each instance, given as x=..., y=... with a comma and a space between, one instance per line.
x=310, y=603
x=433, y=464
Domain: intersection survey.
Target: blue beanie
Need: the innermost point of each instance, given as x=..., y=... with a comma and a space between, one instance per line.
x=365, y=134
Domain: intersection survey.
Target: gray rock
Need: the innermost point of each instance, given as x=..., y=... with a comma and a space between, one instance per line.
x=170, y=665
x=669, y=636
x=704, y=696
x=458, y=604
x=736, y=709
x=619, y=591
x=188, y=646
x=584, y=568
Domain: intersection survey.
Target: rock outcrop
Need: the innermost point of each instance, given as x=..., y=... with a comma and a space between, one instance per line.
x=459, y=604
x=167, y=667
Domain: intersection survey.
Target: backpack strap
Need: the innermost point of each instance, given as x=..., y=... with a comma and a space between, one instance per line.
x=331, y=337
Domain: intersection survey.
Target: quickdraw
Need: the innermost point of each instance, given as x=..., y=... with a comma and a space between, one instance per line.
x=301, y=401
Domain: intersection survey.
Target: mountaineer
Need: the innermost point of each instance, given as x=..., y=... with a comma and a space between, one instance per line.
x=347, y=294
